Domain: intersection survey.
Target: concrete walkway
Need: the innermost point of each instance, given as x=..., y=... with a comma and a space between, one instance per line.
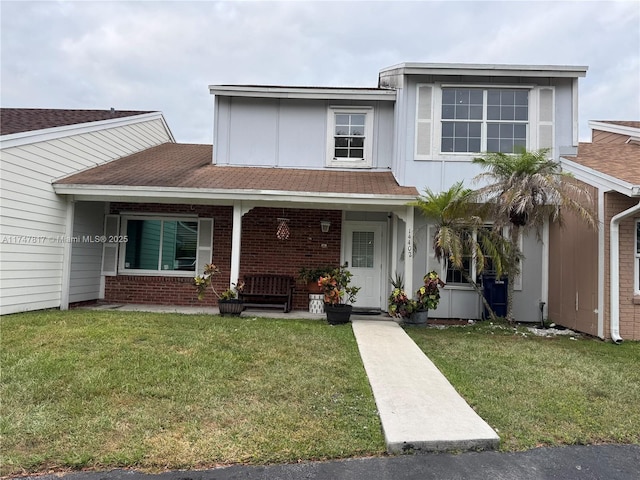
x=418, y=407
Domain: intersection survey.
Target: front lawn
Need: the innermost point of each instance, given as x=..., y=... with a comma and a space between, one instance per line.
x=541, y=391
x=87, y=389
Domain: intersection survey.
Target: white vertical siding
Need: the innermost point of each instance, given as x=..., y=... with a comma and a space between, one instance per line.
x=32, y=216
x=290, y=133
x=86, y=256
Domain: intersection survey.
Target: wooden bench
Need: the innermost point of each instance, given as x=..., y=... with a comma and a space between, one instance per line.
x=268, y=291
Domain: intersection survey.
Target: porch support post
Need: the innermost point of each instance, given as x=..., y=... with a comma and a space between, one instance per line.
x=394, y=245
x=408, y=257
x=66, y=254
x=236, y=243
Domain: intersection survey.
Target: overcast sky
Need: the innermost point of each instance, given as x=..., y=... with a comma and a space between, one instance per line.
x=147, y=55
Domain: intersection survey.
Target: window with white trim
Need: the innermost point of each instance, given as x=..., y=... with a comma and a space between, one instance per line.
x=159, y=245
x=475, y=120
x=349, y=137
x=455, y=275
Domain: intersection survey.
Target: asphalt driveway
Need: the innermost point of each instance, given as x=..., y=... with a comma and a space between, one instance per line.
x=597, y=462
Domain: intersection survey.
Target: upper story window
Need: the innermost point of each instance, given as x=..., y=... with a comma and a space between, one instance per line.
x=477, y=120
x=350, y=137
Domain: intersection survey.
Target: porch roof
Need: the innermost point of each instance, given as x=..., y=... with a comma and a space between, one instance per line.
x=615, y=166
x=184, y=171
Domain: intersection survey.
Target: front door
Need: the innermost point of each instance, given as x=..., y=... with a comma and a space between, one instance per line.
x=363, y=257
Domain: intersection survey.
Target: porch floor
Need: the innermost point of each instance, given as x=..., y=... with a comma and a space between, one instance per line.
x=419, y=409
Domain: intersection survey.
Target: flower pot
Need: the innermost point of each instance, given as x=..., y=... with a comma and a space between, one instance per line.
x=231, y=307
x=313, y=287
x=419, y=317
x=338, y=314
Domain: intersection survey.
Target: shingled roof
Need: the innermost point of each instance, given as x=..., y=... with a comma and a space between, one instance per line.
x=189, y=166
x=18, y=120
x=620, y=161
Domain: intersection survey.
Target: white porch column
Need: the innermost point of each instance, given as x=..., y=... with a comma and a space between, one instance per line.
x=66, y=254
x=236, y=234
x=394, y=245
x=408, y=257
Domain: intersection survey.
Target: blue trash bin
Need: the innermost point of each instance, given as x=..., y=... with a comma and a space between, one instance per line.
x=495, y=291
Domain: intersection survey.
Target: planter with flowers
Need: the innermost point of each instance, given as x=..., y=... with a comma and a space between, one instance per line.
x=400, y=305
x=228, y=302
x=338, y=295
x=428, y=297
x=311, y=275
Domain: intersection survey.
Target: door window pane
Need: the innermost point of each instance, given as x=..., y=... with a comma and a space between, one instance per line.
x=362, y=249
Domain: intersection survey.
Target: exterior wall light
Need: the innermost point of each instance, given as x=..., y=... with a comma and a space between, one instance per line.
x=324, y=226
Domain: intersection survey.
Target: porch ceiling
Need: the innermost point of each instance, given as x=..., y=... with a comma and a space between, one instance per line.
x=173, y=172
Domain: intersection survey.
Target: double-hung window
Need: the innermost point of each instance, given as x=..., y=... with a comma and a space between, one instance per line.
x=349, y=135
x=476, y=120
x=160, y=245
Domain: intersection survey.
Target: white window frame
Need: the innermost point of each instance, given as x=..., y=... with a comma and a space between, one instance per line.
x=168, y=273
x=517, y=283
x=438, y=154
x=332, y=160
x=484, y=121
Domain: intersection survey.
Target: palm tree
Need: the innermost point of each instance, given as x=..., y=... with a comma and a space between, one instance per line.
x=460, y=232
x=524, y=190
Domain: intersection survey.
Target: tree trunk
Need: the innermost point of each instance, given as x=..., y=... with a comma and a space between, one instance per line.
x=512, y=269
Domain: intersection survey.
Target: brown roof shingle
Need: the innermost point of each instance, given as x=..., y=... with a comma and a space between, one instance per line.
x=189, y=166
x=18, y=120
x=620, y=161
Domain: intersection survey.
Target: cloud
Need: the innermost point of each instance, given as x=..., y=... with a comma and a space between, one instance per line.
x=163, y=55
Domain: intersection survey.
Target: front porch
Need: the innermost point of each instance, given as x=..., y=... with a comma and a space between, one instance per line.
x=208, y=310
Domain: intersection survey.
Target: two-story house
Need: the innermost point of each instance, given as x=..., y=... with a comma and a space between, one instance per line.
x=306, y=176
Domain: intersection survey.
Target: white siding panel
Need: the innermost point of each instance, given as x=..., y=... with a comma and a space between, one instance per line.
x=86, y=257
x=31, y=208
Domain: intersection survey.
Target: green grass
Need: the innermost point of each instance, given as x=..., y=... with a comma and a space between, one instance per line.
x=541, y=391
x=87, y=389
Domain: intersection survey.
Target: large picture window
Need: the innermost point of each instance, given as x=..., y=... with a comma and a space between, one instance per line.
x=349, y=137
x=475, y=120
x=160, y=245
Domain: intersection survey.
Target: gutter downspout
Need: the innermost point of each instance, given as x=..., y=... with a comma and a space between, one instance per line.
x=614, y=270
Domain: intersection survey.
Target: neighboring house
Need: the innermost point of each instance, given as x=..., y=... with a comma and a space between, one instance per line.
x=286, y=160
x=37, y=226
x=594, y=283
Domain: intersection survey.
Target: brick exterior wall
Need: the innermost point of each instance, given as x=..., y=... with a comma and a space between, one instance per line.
x=261, y=251
x=629, y=309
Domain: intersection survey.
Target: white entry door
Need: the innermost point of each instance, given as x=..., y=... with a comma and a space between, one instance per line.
x=363, y=256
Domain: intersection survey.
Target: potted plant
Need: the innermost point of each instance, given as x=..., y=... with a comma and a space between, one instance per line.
x=428, y=297
x=338, y=295
x=228, y=302
x=400, y=305
x=311, y=275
